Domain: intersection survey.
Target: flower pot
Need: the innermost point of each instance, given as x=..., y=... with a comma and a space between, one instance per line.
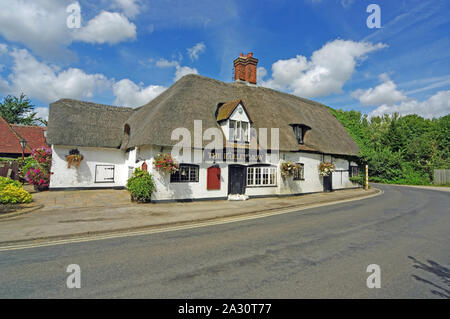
x=40, y=188
x=74, y=159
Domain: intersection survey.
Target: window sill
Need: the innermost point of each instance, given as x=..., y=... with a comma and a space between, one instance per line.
x=258, y=186
x=183, y=182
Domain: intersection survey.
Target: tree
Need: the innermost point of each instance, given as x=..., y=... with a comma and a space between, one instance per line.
x=19, y=110
x=399, y=149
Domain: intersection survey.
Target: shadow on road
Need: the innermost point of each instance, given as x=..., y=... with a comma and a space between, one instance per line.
x=442, y=272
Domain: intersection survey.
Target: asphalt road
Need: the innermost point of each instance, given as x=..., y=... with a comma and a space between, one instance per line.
x=316, y=253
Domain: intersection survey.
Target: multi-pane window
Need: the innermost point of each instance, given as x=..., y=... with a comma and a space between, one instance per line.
x=238, y=131
x=299, y=174
x=261, y=176
x=353, y=171
x=186, y=173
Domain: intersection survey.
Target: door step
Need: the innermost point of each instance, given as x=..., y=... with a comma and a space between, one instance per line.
x=237, y=197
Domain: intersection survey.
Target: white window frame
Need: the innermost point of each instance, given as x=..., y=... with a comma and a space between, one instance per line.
x=261, y=176
x=237, y=133
x=98, y=174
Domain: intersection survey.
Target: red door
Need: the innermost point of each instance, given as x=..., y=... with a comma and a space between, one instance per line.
x=213, y=178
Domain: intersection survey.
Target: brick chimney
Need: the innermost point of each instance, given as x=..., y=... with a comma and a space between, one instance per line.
x=245, y=68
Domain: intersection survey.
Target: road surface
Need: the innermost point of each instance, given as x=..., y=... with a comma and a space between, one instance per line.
x=316, y=253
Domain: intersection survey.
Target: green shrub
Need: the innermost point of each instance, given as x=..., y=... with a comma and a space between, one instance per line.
x=358, y=179
x=8, y=181
x=141, y=186
x=25, y=165
x=11, y=192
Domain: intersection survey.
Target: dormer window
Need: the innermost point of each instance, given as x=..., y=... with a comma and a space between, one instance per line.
x=239, y=131
x=234, y=120
x=299, y=131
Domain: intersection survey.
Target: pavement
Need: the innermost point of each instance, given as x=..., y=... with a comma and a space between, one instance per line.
x=70, y=214
x=322, y=252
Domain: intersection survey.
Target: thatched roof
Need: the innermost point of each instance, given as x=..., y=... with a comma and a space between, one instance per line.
x=195, y=97
x=77, y=123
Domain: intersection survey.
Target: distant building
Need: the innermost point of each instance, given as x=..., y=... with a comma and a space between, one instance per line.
x=115, y=140
x=12, y=134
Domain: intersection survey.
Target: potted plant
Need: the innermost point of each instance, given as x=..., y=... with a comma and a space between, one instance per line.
x=141, y=186
x=289, y=169
x=326, y=168
x=74, y=157
x=165, y=163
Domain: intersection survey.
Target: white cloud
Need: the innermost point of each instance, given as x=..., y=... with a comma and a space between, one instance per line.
x=163, y=63
x=384, y=93
x=260, y=74
x=107, y=27
x=195, y=51
x=4, y=86
x=324, y=73
x=347, y=3
x=41, y=25
x=3, y=48
x=47, y=83
x=41, y=112
x=130, y=8
x=127, y=93
x=180, y=71
x=436, y=106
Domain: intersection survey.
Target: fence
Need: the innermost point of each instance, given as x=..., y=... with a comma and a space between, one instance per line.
x=9, y=169
x=441, y=176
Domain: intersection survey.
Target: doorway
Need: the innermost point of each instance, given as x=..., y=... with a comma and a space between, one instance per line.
x=236, y=179
x=328, y=183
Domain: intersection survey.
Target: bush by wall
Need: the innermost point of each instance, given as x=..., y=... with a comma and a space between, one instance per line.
x=141, y=186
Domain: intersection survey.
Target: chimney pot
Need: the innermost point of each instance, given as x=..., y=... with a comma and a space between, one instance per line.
x=245, y=68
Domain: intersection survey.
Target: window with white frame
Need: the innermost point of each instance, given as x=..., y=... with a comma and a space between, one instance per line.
x=261, y=176
x=239, y=131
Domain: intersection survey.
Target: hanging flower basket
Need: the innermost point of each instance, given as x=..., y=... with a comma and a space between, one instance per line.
x=165, y=163
x=326, y=168
x=289, y=169
x=74, y=158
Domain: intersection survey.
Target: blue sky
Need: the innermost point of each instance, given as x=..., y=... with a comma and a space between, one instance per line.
x=128, y=51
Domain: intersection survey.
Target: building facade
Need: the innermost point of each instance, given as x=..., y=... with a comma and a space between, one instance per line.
x=228, y=138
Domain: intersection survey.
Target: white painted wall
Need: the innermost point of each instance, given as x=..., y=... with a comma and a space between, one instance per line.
x=168, y=191
x=84, y=175
x=312, y=183
x=340, y=178
x=125, y=162
x=239, y=114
